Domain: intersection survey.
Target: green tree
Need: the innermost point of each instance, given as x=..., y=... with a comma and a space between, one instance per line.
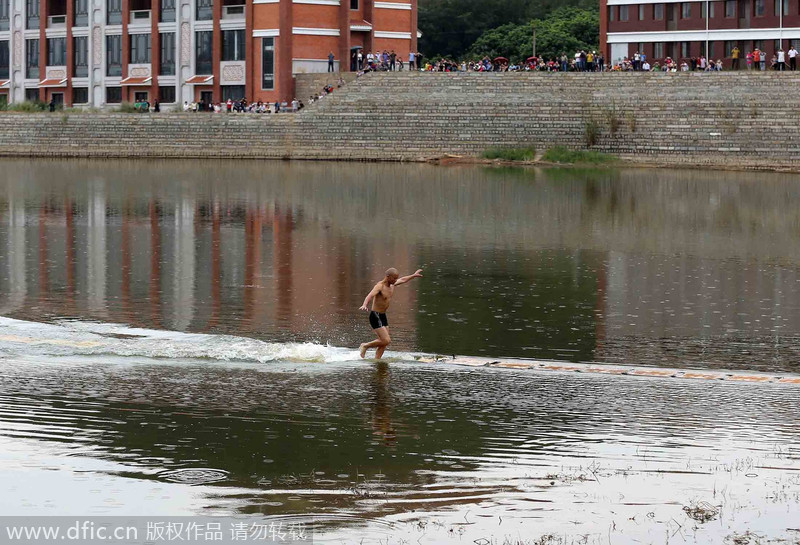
x=565, y=30
x=450, y=27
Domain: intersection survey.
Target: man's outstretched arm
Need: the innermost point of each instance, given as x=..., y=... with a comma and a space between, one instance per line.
x=370, y=295
x=409, y=278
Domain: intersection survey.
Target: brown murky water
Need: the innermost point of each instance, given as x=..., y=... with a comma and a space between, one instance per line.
x=177, y=338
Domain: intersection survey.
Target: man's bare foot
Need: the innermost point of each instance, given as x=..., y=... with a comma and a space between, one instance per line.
x=363, y=350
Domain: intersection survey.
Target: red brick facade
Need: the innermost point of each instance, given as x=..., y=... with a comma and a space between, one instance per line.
x=285, y=36
x=681, y=29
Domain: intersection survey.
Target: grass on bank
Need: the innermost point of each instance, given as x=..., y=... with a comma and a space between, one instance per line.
x=560, y=154
x=511, y=154
x=27, y=106
x=36, y=106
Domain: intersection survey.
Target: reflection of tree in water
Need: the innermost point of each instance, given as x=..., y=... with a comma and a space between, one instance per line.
x=381, y=405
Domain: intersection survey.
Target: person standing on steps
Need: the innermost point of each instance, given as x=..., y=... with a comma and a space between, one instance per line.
x=330, y=61
x=381, y=297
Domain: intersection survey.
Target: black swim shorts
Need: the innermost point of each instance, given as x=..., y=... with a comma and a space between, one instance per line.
x=378, y=320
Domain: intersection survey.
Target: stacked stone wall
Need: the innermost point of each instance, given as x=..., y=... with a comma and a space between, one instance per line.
x=722, y=119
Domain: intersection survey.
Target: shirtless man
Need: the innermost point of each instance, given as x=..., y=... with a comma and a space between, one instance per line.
x=381, y=296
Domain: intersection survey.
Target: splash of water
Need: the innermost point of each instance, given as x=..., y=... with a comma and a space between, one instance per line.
x=72, y=338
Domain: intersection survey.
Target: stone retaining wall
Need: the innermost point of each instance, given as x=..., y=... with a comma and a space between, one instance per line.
x=724, y=119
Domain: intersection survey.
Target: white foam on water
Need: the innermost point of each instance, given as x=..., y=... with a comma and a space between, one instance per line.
x=73, y=338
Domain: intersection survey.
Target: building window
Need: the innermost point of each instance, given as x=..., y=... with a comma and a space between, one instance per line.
x=658, y=50
x=704, y=9
x=167, y=11
x=113, y=95
x=233, y=45
x=267, y=64
x=32, y=59
x=611, y=13
x=56, y=51
x=81, y=63
x=758, y=8
x=758, y=44
x=233, y=92
x=114, y=55
x=81, y=14
x=205, y=10
x=353, y=4
x=623, y=13
x=203, y=56
x=778, y=4
x=658, y=12
x=31, y=14
x=685, y=48
x=777, y=45
x=710, y=51
x=140, y=49
x=686, y=10
x=166, y=94
x=80, y=95
x=167, y=54
x=641, y=12
x=114, y=12
x=730, y=8
x=31, y=95
x=5, y=60
x=4, y=15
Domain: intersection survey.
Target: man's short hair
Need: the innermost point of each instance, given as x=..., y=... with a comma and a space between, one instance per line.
x=392, y=272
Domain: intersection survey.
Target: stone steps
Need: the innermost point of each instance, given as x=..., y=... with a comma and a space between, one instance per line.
x=713, y=119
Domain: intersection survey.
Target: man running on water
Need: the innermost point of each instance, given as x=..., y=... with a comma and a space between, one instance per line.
x=381, y=296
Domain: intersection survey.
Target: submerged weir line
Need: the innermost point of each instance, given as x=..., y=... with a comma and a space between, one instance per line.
x=89, y=339
x=612, y=369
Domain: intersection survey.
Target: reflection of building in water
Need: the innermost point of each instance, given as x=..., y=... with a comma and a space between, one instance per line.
x=96, y=267
x=186, y=262
x=183, y=259
x=16, y=290
x=282, y=227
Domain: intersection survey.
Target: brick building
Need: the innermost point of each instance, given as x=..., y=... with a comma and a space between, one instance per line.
x=689, y=29
x=99, y=52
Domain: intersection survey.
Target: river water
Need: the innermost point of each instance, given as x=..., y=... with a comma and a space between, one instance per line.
x=178, y=338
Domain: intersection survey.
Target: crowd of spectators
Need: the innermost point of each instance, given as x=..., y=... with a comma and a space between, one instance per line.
x=755, y=60
x=385, y=61
x=242, y=106
x=591, y=61
x=582, y=61
x=259, y=107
